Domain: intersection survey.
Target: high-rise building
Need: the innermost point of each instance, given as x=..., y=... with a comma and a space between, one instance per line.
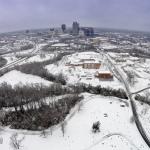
x=63, y=27
x=75, y=28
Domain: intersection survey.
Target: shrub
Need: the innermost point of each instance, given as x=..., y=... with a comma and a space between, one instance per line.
x=96, y=127
x=26, y=47
x=143, y=99
x=15, y=142
x=3, y=62
x=99, y=90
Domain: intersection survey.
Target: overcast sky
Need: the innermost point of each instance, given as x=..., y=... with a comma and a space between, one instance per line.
x=28, y=14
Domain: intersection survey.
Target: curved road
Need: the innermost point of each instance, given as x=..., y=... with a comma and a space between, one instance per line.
x=12, y=64
x=140, y=90
x=133, y=105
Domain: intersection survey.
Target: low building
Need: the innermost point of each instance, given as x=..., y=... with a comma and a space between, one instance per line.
x=75, y=64
x=124, y=55
x=91, y=65
x=120, y=60
x=104, y=75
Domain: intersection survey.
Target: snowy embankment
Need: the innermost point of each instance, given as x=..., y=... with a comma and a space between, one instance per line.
x=18, y=78
x=144, y=111
x=141, y=78
x=140, y=71
x=116, y=130
x=40, y=58
x=10, y=59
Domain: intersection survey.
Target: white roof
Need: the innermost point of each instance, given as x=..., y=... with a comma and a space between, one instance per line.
x=91, y=62
x=104, y=71
x=59, y=45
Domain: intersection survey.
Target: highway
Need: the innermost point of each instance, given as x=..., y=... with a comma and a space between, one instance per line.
x=131, y=98
x=16, y=62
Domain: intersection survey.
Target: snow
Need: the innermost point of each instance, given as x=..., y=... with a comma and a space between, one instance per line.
x=10, y=59
x=138, y=67
x=24, y=52
x=60, y=45
x=108, y=46
x=116, y=130
x=39, y=58
x=143, y=112
x=76, y=74
x=18, y=78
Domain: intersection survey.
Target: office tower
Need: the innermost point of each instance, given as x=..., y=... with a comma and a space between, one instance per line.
x=75, y=28
x=63, y=27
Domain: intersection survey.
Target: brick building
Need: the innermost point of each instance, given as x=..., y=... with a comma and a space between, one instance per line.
x=104, y=75
x=91, y=65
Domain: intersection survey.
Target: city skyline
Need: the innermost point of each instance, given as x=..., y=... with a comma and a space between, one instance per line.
x=115, y=14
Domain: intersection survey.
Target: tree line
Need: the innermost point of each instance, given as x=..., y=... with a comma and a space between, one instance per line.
x=30, y=95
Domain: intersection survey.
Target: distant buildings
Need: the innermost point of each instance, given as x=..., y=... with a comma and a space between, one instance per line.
x=75, y=28
x=104, y=75
x=52, y=29
x=91, y=65
x=63, y=27
x=86, y=64
x=88, y=31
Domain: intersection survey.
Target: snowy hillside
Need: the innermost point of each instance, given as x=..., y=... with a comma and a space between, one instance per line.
x=17, y=78
x=117, y=131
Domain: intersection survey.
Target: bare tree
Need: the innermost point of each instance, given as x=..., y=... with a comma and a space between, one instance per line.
x=147, y=96
x=1, y=140
x=80, y=105
x=44, y=133
x=51, y=130
x=131, y=77
x=15, y=142
x=2, y=115
x=63, y=124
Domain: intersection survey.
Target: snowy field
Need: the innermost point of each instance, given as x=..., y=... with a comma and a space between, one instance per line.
x=18, y=78
x=117, y=132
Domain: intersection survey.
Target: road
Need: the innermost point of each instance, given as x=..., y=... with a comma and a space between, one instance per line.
x=140, y=90
x=132, y=100
x=16, y=62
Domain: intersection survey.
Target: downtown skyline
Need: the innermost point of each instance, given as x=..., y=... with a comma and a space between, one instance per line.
x=115, y=14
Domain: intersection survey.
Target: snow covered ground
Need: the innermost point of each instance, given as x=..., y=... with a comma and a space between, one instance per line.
x=144, y=111
x=108, y=46
x=40, y=58
x=139, y=66
x=76, y=74
x=116, y=130
x=18, y=78
x=59, y=45
x=10, y=59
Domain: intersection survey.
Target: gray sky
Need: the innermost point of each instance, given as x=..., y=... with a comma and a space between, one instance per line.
x=28, y=14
